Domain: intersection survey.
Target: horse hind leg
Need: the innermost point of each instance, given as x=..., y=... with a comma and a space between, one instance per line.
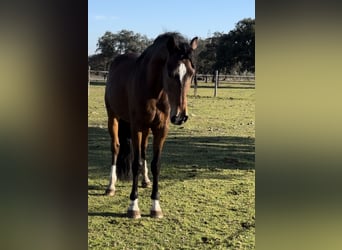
x=146, y=183
x=115, y=147
x=110, y=191
x=125, y=157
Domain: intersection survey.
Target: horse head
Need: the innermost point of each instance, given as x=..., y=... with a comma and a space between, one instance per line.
x=180, y=71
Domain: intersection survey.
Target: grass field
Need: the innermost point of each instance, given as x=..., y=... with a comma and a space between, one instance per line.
x=207, y=182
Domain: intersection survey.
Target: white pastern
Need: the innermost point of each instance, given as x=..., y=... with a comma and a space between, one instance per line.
x=133, y=206
x=181, y=71
x=146, y=172
x=155, y=205
x=112, y=178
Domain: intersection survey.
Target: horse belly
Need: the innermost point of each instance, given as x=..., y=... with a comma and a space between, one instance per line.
x=117, y=100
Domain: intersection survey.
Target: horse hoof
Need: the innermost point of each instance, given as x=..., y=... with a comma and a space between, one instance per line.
x=156, y=214
x=146, y=184
x=133, y=214
x=110, y=192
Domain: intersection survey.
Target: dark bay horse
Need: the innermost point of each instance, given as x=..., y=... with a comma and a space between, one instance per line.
x=144, y=93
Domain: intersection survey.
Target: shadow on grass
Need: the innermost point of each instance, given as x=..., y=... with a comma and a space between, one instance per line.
x=98, y=83
x=226, y=152
x=114, y=215
x=108, y=214
x=103, y=194
x=183, y=156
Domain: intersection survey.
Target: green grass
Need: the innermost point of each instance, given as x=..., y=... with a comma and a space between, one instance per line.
x=206, y=184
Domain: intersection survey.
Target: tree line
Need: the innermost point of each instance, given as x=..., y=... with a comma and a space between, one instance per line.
x=229, y=53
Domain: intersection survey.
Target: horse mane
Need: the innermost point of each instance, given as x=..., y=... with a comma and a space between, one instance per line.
x=179, y=40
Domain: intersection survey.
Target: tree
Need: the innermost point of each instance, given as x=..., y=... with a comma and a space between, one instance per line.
x=207, y=55
x=105, y=44
x=233, y=52
x=111, y=45
x=97, y=62
x=236, y=50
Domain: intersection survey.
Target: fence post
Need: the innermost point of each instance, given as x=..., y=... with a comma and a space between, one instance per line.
x=216, y=83
x=195, y=85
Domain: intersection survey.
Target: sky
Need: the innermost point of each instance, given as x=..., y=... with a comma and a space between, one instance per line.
x=152, y=17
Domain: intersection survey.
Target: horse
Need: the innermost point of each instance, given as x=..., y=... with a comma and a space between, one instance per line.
x=144, y=93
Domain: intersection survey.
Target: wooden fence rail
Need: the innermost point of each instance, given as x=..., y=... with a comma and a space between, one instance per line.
x=97, y=76
x=226, y=78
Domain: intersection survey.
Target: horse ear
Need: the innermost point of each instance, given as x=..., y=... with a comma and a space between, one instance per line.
x=194, y=43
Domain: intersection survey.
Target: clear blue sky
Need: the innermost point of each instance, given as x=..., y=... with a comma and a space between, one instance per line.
x=152, y=17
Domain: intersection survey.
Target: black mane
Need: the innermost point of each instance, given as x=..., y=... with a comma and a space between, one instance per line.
x=182, y=44
x=179, y=39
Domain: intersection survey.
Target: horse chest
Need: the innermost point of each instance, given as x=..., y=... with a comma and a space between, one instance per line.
x=154, y=114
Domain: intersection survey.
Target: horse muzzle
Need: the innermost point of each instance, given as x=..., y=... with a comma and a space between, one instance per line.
x=179, y=119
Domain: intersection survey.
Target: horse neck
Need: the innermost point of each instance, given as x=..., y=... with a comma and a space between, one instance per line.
x=152, y=64
x=155, y=78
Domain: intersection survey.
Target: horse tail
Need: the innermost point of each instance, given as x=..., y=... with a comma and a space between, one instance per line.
x=125, y=157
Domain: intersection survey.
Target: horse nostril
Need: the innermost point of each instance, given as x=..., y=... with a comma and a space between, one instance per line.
x=178, y=120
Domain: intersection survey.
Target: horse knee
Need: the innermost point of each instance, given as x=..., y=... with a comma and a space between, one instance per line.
x=137, y=166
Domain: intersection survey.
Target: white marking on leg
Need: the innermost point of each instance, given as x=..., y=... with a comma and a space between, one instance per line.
x=181, y=72
x=145, y=173
x=155, y=205
x=133, y=206
x=112, y=178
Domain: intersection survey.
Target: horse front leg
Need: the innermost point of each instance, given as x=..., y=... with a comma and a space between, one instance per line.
x=159, y=136
x=133, y=209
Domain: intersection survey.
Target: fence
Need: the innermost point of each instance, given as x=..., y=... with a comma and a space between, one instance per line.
x=217, y=78
x=100, y=77
x=97, y=76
